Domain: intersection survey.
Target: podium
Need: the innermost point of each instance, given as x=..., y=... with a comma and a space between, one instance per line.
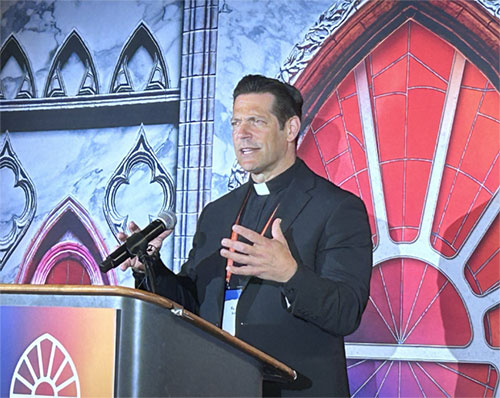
x=117, y=341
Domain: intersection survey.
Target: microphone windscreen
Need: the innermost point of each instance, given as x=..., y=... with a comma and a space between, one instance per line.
x=168, y=218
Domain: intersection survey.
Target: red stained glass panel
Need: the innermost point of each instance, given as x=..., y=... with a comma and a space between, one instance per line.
x=412, y=302
x=492, y=327
x=482, y=270
x=68, y=272
x=420, y=379
x=471, y=175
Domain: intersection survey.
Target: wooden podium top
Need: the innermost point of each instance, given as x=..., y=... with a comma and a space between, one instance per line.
x=280, y=370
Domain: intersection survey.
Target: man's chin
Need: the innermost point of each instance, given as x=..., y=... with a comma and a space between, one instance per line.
x=246, y=165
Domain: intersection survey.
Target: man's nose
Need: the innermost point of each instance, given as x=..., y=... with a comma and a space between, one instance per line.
x=242, y=130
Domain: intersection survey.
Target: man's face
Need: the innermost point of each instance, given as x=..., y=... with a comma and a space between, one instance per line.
x=261, y=147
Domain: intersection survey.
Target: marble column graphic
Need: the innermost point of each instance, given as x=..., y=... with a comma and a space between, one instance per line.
x=196, y=119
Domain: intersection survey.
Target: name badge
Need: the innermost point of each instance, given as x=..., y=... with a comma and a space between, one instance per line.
x=231, y=298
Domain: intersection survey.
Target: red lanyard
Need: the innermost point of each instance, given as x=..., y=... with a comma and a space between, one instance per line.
x=234, y=235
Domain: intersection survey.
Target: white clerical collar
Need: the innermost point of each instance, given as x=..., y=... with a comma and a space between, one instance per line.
x=261, y=189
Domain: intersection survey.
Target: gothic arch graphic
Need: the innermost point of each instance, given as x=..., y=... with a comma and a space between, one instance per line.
x=401, y=121
x=68, y=263
x=66, y=249
x=24, y=85
x=348, y=31
x=122, y=80
x=56, y=85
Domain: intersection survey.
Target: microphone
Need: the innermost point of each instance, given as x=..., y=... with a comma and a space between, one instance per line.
x=137, y=243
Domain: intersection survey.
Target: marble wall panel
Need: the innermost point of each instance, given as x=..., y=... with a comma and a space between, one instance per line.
x=41, y=27
x=80, y=163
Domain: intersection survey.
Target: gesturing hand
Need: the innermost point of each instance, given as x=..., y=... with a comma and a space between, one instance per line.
x=153, y=246
x=264, y=258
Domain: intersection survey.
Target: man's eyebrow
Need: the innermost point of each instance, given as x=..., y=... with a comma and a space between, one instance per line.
x=250, y=115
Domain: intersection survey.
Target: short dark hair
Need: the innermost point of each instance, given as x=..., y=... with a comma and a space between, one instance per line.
x=287, y=99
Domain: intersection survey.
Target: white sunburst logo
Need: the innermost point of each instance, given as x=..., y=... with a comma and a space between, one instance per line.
x=45, y=369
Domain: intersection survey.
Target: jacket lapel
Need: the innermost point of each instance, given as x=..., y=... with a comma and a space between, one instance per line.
x=296, y=197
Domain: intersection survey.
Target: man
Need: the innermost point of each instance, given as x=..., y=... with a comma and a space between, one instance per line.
x=284, y=261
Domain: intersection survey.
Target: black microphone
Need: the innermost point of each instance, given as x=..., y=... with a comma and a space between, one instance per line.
x=137, y=243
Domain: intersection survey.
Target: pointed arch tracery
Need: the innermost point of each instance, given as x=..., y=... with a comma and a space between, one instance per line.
x=26, y=86
x=158, y=75
x=55, y=85
x=466, y=25
x=67, y=239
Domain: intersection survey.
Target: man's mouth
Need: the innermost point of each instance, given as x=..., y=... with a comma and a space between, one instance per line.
x=247, y=151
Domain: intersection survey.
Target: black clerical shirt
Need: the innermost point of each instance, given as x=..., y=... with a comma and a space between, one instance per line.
x=259, y=208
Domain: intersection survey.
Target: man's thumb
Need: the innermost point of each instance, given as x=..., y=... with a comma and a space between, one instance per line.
x=276, y=230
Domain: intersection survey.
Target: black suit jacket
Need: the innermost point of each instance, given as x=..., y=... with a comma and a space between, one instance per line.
x=329, y=236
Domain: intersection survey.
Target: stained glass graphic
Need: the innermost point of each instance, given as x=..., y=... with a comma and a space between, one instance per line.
x=492, y=326
x=413, y=131
x=471, y=172
x=412, y=302
x=45, y=369
x=482, y=270
x=421, y=379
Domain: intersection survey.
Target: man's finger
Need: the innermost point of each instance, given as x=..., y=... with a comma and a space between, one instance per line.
x=252, y=236
x=122, y=236
x=125, y=265
x=133, y=227
x=236, y=245
x=164, y=234
x=243, y=270
x=276, y=231
x=238, y=257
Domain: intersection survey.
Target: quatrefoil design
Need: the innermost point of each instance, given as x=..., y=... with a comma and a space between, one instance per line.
x=20, y=223
x=141, y=152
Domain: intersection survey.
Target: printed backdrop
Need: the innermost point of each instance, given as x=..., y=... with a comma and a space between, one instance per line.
x=114, y=111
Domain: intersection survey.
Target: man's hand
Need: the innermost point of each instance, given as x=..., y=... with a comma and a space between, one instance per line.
x=266, y=258
x=153, y=246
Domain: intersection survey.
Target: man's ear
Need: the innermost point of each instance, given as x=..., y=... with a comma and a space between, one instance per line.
x=293, y=128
